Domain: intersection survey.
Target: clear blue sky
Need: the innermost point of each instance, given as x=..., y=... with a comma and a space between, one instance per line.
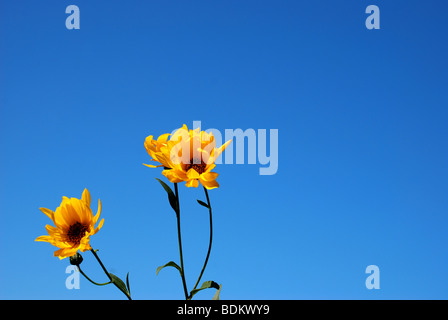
x=362, y=119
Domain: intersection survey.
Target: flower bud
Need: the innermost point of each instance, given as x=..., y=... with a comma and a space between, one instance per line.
x=76, y=259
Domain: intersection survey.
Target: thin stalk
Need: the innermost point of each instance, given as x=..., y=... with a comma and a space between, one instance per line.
x=211, y=238
x=101, y=264
x=180, y=242
x=96, y=283
x=107, y=273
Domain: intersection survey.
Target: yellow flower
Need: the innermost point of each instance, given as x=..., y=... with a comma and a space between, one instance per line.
x=74, y=223
x=189, y=155
x=153, y=147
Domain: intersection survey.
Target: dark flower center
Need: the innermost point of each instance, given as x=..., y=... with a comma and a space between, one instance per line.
x=194, y=164
x=76, y=232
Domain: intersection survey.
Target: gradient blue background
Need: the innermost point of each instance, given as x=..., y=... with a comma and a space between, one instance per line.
x=362, y=119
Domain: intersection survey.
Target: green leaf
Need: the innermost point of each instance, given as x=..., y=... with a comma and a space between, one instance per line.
x=216, y=296
x=205, y=285
x=171, y=196
x=202, y=203
x=127, y=283
x=169, y=264
x=119, y=283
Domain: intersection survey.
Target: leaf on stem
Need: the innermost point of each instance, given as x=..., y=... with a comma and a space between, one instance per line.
x=202, y=203
x=119, y=284
x=171, y=196
x=127, y=283
x=205, y=285
x=169, y=264
x=216, y=296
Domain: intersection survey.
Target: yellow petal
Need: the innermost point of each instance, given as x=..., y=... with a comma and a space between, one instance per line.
x=209, y=167
x=205, y=155
x=192, y=174
x=62, y=218
x=172, y=175
x=151, y=166
x=218, y=151
x=192, y=183
x=209, y=184
x=98, y=213
x=86, y=197
x=180, y=134
x=65, y=252
x=44, y=238
x=84, y=244
x=51, y=230
x=209, y=176
x=148, y=140
x=100, y=225
x=163, y=138
x=79, y=211
x=48, y=212
x=208, y=142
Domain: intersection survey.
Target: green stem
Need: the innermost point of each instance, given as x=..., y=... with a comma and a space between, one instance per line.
x=107, y=273
x=96, y=283
x=180, y=243
x=211, y=238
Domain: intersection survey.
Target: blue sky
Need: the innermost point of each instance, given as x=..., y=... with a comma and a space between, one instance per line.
x=362, y=121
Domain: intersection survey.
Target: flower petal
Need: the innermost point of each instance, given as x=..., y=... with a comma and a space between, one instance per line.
x=192, y=174
x=209, y=184
x=192, y=183
x=98, y=213
x=173, y=175
x=44, y=238
x=209, y=167
x=62, y=218
x=217, y=151
x=151, y=166
x=65, y=252
x=163, y=138
x=48, y=212
x=209, y=176
x=86, y=197
x=100, y=225
x=82, y=212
